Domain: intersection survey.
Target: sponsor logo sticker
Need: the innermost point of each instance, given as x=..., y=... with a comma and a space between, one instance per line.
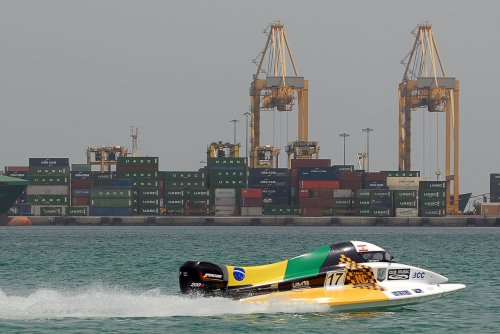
x=381, y=273
x=239, y=274
x=398, y=274
x=212, y=276
x=418, y=290
x=401, y=293
x=300, y=285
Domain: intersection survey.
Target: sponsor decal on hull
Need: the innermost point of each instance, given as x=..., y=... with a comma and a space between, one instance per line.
x=401, y=293
x=239, y=274
x=398, y=274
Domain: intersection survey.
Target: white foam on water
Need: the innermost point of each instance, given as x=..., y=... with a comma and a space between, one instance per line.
x=105, y=302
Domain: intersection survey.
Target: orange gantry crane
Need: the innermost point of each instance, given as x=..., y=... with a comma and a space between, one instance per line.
x=278, y=91
x=425, y=85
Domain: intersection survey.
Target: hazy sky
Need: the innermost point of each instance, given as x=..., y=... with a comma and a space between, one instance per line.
x=75, y=74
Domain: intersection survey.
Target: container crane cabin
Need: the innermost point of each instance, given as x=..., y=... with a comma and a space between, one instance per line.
x=425, y=85
x=278, y=91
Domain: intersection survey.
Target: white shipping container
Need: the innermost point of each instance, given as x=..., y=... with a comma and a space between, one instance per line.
x=251, y=211
x=342, y=193
x=36, y=209
x=48, y=190
x=404, y=183
x=228, y=201
x=225, y=192
x=400, y=212
x=225, y=210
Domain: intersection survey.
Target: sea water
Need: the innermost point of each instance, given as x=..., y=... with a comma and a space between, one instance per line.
x=113, y=279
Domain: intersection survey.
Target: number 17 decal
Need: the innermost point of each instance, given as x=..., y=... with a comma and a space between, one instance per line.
x=334, y=280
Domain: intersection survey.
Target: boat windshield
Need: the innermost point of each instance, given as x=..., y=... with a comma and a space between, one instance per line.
x=379, y=256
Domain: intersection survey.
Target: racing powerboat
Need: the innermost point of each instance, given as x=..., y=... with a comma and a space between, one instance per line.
x=345, y=276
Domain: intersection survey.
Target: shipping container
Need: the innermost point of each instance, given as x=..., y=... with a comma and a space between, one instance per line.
x=398, y=173
x=275, y=200
x=381, y=203
x=362, y=193
x=138, y=175
x=223, y=210
x=169, y=184
x=149, y=211
x=226, y=162
x=81, y=168
x=136, y=161
x=173, y=203
x=175, y=193
x=251, y=193
x=51, y=211
x=432, y=185
x=318, y=173
x=16, y=169
x=344, y=168
x=111, y=202
x=18, y=174
x=52, y=180
x=48, y=199
x=405, y=203
x=321, y=193
x=304, y=193
x=405, y=194
x=373, y=184
x=342, y=193
x=404, y=183
x=432, y=212
x=184, y=175
x=111, y=192
x=432, y=204
x=56, y=170
x=149, y=193
x=77, y=211
x=49, y=162
x=117, y=212
x=490, y=209
x=47, y=190
x=282, y=182
x=226, y=201
x=275, y=192
x=249, y=202
x=312, y=212
x=431, y=194
x=362, y=203
x=310, y=184
x=342, y=203
x=251, y=211
x=281, y=210
x=144, y=202
x=103, y=176
x=122, y=183
x=297, y=163
x=268, y=172
x=380, y=212
x=315, y=202
x=80, y=201
x=406, y=212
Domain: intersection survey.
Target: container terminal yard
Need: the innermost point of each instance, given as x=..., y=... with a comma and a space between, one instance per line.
x=117, y=187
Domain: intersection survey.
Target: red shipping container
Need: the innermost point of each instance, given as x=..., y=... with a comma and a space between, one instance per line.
x=81, y=184
x=251, y=193
x=297, y=163
x=79, y=200
x=351, y=176
x=330, y=184
x=252, y=202
x=17, y=168
x=322, y=193
x=351, y=185
x=304, y=193
x=315, y=202
x=308, y=184
x=375, y=176
x=312, y=212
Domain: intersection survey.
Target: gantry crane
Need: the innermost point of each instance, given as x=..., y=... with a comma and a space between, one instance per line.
x=221, y=150
x=105, y=156
x=425, y=84
x=277, y=92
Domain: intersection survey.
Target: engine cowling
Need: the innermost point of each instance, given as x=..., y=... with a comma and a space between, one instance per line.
x=202, y=277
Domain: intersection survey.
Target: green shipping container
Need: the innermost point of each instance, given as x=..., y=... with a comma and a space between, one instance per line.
x=111, y=202
x=362, y=193
x=405, y=194
x=138, y=175
x=432, y=185
x=337, y=212
x=342, y=203
x=60, y=171
x=137, y=161
x=228, y=183
x=432, y=204
x=380, y=212
x=402, y=203
x=227, y=162
x=110, y=192
x=362, y=203
x=228, y=173
x=52, y=180
x=281, y=210
x=189, y=176
x=199, y=203
x=432, y=212
x=432, y=194
x=184, y=184
x=199, y=193
x=149, y=193
x=175, y=193
x=50, y=211
x=48, y=199
x=149, y=211
x=171, y=203
x=149, y=202
x=77, y=211
x=380, y=194
x=362, y=212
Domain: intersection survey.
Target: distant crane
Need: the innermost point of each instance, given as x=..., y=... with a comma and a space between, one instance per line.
x=424, y=84
x=134, y=134
x=276, y=91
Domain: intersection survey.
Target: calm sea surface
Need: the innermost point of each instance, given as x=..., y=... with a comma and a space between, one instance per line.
x=125, y=279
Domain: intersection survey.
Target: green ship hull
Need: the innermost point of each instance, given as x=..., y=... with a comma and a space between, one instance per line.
x=10, y=190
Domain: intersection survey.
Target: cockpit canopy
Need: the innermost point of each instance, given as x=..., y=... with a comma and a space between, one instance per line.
x=357, y=251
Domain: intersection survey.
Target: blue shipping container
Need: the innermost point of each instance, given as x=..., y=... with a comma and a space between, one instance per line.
x=123, y=183
x=268, y=172
x=110, y=211
x=318, y=173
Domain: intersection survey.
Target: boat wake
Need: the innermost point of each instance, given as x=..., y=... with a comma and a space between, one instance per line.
x=105, y=302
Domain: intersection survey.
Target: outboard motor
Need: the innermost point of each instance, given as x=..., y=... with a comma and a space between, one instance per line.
x=202, y=277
